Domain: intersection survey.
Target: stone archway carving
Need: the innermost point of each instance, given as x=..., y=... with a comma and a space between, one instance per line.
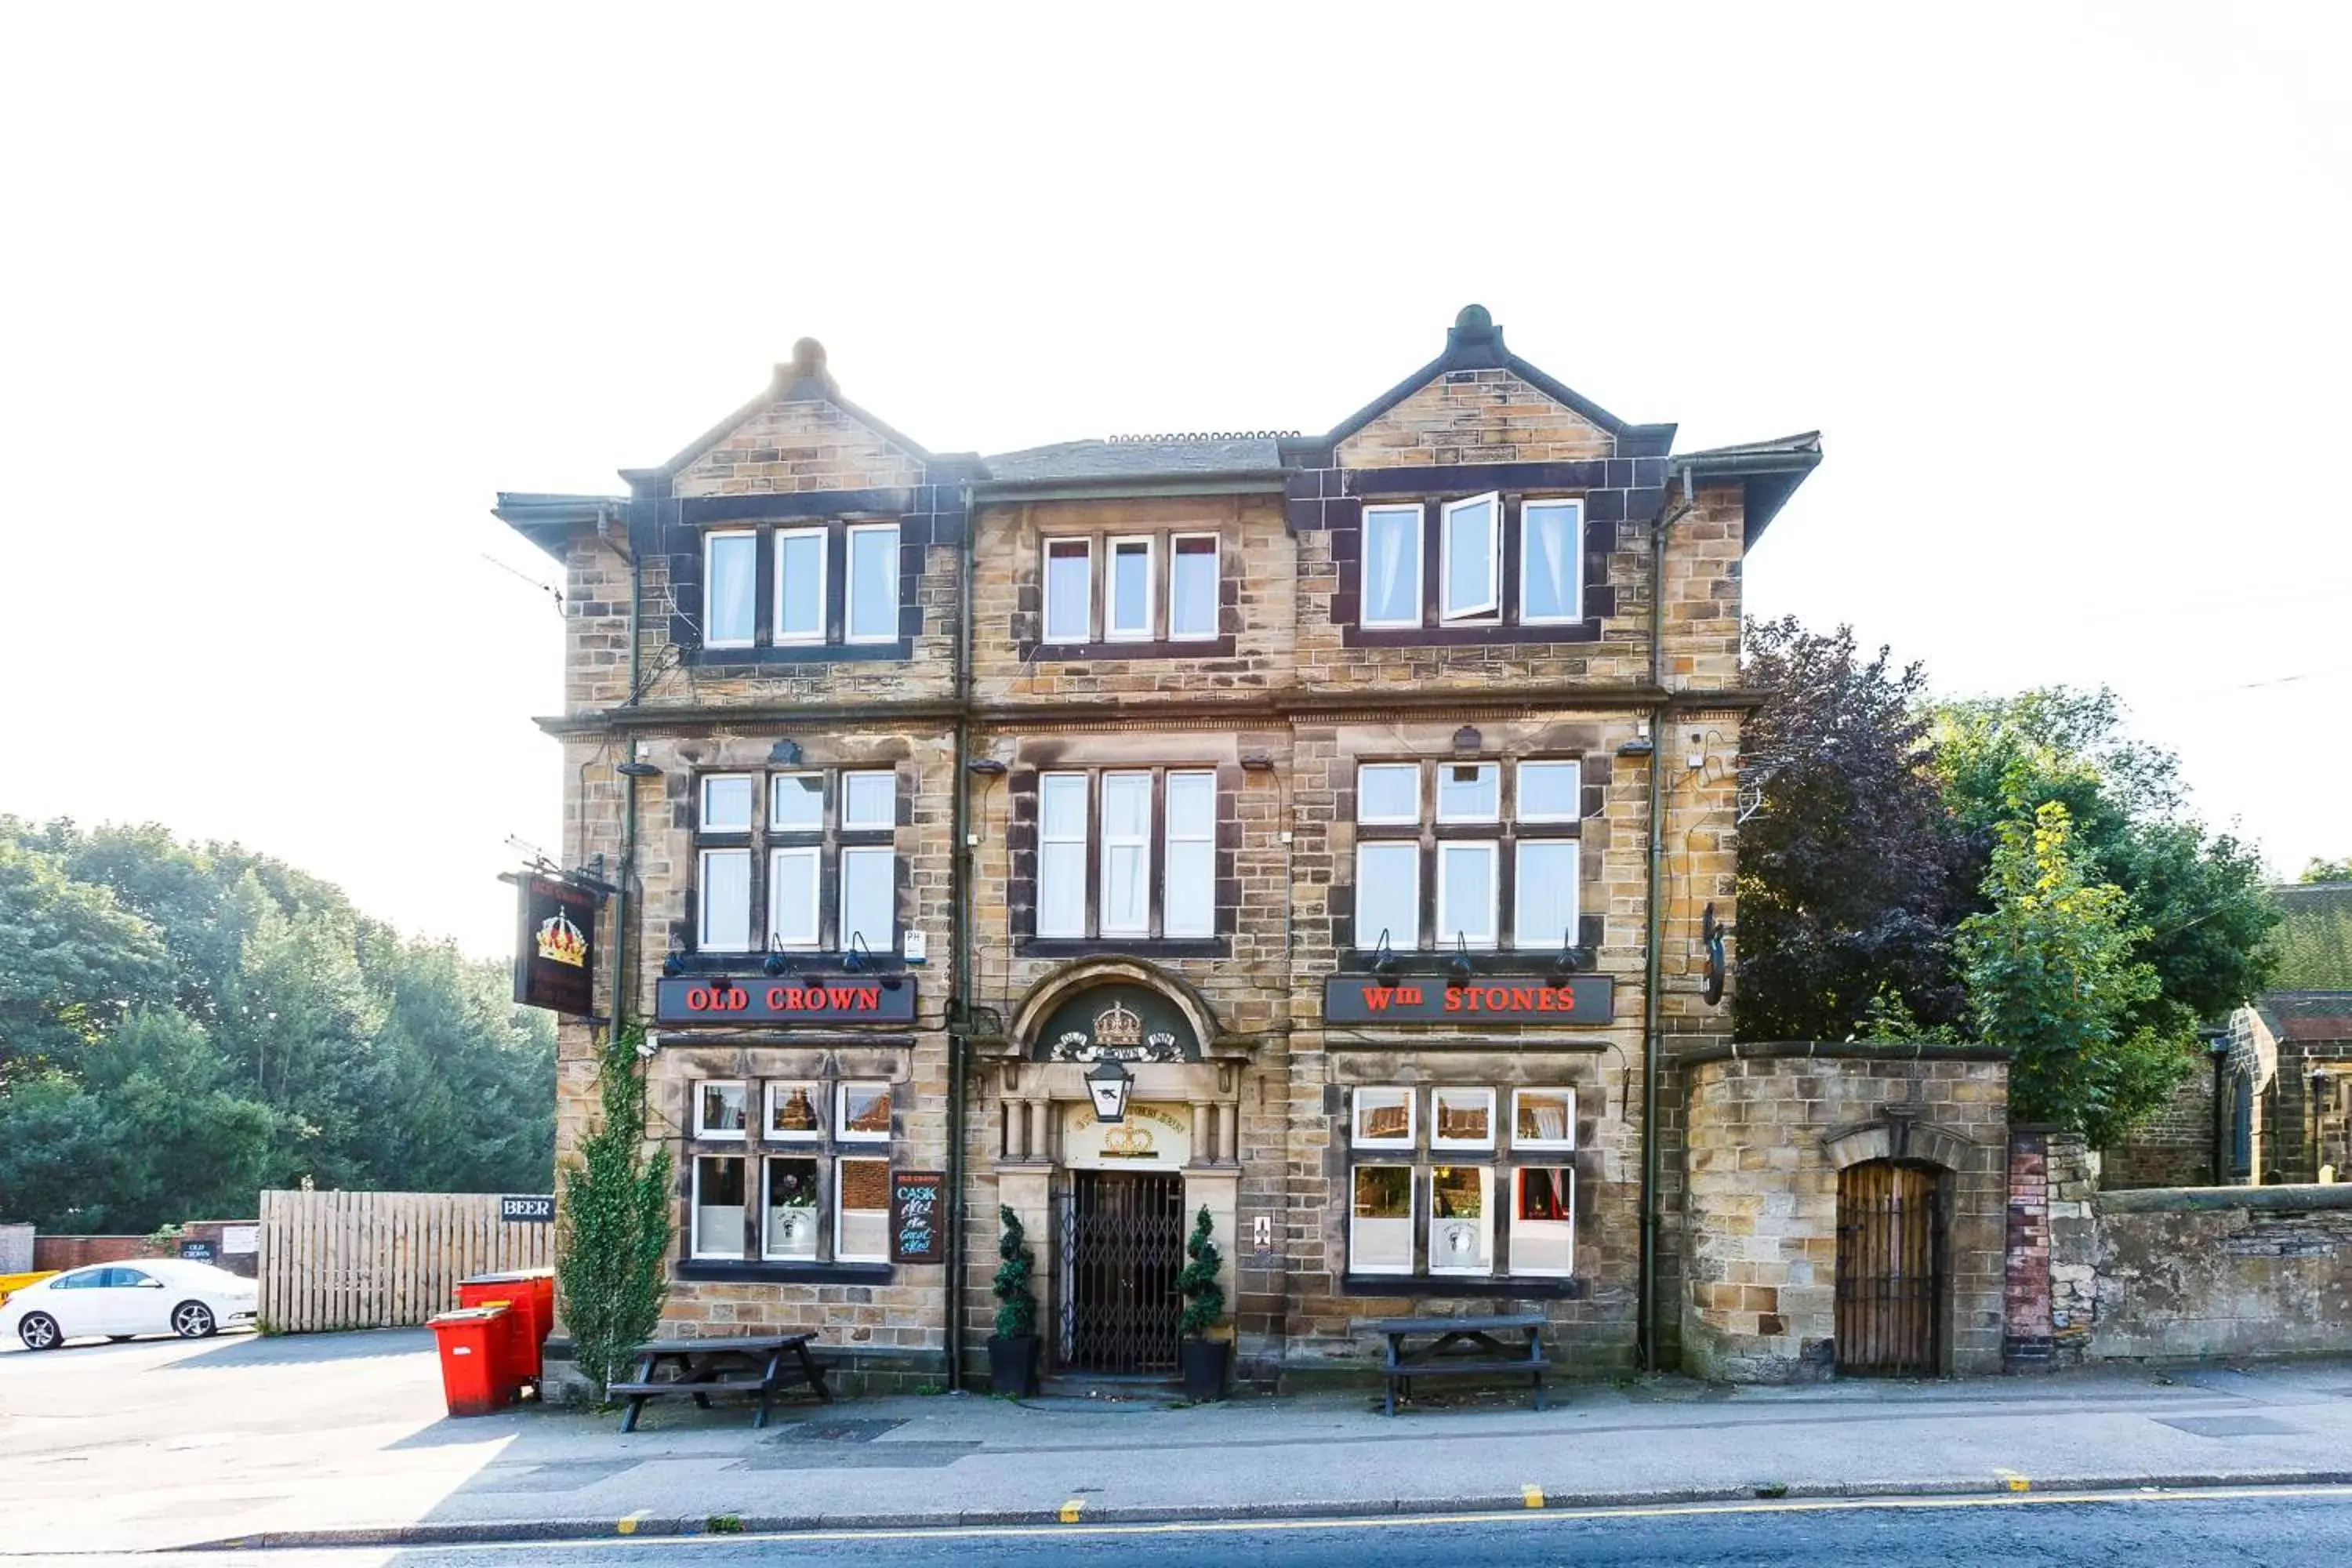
x=1893, y=1135
x=1060, y=986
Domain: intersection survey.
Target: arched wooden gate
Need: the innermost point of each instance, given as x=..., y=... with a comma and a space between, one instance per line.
x=1890, y=1269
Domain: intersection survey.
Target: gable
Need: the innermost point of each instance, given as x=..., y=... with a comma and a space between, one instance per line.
x=1474, y=416
x=799, y=435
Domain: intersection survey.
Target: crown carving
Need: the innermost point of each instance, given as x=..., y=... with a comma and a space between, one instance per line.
x=1119, y=1025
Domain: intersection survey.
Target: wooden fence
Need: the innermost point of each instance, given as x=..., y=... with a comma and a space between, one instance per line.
x=369, y=1260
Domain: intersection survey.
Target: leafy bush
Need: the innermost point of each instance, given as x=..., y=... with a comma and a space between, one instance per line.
x=1016, y=1311
x=1204, y=1299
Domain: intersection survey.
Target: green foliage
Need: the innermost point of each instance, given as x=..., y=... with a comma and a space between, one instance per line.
x=2319, y=870
x=2054, y=975
x=612, y=1237
x=1204, y=1299
x=2314, y=940
x=1888, y=1020
x=181, y=1025
x=1017, y=1309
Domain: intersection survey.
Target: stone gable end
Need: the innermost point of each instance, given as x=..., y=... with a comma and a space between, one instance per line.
x=1475, y=416
x=799, y=446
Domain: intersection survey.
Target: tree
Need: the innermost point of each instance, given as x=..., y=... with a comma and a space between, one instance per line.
x=615, y=1233
x=73, y=960
x=1847, y=864
x=2320, y=870
x=2053, y=974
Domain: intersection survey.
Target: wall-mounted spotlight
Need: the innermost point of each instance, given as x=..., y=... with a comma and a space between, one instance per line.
x=785, y=753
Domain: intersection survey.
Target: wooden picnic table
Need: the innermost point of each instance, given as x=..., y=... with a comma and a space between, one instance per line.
x=761, y=1364
x=1462, y=1346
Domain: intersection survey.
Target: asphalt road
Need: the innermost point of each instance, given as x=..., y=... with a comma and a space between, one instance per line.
x=2279, y=1529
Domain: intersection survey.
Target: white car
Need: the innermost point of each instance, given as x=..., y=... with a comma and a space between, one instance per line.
x=149, y=1296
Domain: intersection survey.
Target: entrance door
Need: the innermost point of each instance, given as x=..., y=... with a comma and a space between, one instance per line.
x=1890, y=1285
x=1122, y=1248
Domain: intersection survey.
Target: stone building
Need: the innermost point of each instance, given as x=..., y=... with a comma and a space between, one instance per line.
x=1369, y=797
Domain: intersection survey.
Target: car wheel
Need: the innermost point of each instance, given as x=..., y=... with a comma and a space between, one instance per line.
x=192, y=1321
x=39, y=1331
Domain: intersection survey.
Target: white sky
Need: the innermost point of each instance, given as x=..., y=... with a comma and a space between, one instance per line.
x=289, y=294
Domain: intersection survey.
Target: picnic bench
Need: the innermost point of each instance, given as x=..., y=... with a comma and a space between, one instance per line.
x=1461, y=1347
x=761, y=1364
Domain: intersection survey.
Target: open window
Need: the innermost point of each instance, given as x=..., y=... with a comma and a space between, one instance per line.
x=1470, y=561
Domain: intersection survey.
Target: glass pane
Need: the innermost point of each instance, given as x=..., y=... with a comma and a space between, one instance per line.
x=793, y=1111
x=1543, y=1116
x=1550, y=791
x=1126, y=806
x=1384, y=1192
x=1543, y=1222
x=866, y=1110
x=868, y=898
x=1383, y=1116
x=799, y=587
x=792, y=897
x=1544, y=895
x=1549, y=590
x=869, y=800
x=728, y=608
x=1192, y=593
x=792, y=1210
x=727, y=804
x=1130, y=589
x=1380, y=1233
x=1470, y=559
x=1191, y=805
x=1469, y=792
x=1459, y=1225
x=1466, y=894
x=864, y=1209
x=1387, y=792
x=1192, y=889
x=718, y=1206
x=1387, y=894
x=796, y=803
x=720, y=1108
x=1392, y=568
x=1464, y=1115
x=1069, y=574
x=1125, y=888
x=726, y=901
x=873, y=583
x=1547, y=1192
x=1062, y=889
x=1062, y=806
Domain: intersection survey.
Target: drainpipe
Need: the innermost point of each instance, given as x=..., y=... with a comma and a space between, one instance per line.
x=1646, y=1330
x=620, y=986
x=960, y=991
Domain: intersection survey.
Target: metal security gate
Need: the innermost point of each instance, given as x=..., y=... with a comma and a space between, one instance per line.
x=1890, y=1275
x=1122, y=1248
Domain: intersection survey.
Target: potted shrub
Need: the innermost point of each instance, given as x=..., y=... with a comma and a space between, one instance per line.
x=1206, y=1360
x=1012, y=1348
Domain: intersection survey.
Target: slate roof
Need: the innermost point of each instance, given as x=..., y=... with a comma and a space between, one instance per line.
x=1075, y=460
x=2308, y=1015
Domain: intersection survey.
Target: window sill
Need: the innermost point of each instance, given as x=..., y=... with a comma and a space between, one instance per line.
x=772, y=1271
x=1533, y=1288
x=714, y=659
x=1036, y=652
x=1122, y=947
x=1457, y=635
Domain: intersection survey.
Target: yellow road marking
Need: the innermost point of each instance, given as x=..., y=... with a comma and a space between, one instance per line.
x=1408, y=1520
x=2014, y=1481
x=1532, y=1494
x=628, y=1523
x=1072, y=1509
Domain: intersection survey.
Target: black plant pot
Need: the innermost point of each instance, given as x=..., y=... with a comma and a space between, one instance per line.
x=1012, y=1366
x=1206, y=1362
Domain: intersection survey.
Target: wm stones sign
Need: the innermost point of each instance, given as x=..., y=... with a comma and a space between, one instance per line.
x=801, y=999
x=1587, y=1000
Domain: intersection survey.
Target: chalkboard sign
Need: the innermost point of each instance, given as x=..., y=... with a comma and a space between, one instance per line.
x=527, y=1210
x=199, y=1252
x=919, y=1202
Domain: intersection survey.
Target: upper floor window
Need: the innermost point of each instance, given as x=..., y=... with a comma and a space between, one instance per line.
x=1470, y=560
x=1498, y=873
x=1131, y=588
x=781, y=860
x=802, y=606
x=1126, y=853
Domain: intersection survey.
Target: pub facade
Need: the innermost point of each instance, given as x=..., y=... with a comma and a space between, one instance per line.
x=1360, y=803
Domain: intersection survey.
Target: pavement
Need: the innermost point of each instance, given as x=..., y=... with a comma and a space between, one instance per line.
x=340, y=1439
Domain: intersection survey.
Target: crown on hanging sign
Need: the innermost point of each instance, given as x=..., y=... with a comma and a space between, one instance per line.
x=1119, y=1025
x=560, y=941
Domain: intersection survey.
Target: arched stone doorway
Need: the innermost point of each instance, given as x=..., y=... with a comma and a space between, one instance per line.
x=1893, y=1250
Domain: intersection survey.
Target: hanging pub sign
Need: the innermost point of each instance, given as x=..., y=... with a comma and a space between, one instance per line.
x=1583, y=999
x=555, y=946
x=917, y=1199
x=792, y=999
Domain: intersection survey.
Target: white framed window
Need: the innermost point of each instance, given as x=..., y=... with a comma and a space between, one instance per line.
x=869, y=800
x=1381, y=1118
x=795, y=1110
x=1466, y=894
x=1062, y=855
x=1388, y=794
x=861, y=1211
x=1469, y=792
x=790, y=1198
x=1462, y=1119
x=1470, y=558
x=1543, y=1119
x=1069, y=590
x=1543, y=1220
x=1389, y=575
x=1188, y=877
x=726, y=803
x=1460, y=1219
x=862, y=1113
x=718, y=1210
x=1379, y=1220
x=1551, y=562
x=721, y=1106
x=800, y=584
x=796, y=803
x=1550, y=792
x=1193, y=587
x=1126, y=855
x=1544, y=893
x=873, y=583
x=1127, y=598
x=870, y=897
x=724, y=915
x=1388, y=892
x=793, y=896
x=730, y=566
